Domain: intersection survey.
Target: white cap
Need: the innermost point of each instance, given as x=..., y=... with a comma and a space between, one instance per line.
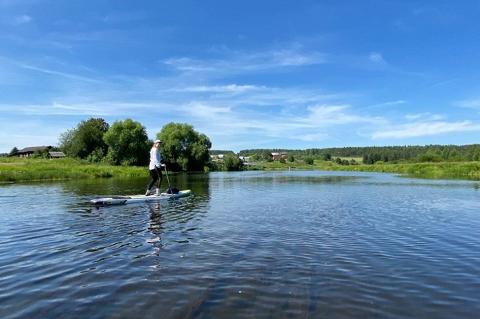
x=157, y=141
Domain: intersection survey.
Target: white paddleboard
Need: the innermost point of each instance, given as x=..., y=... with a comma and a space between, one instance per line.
x=123, y=200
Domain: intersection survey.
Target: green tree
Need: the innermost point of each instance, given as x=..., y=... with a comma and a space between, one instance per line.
x=13, y=152
x=184, y=147
x=309, y=160
x=127, y=143
x=255, y=157
x=40, y=154
x=429, y=156
x=232, y=163
x=85, y=139
x=267, y=156
x=291, y=158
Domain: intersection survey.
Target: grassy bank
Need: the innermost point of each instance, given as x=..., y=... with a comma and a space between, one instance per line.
x=19, y=169
x=446, y=170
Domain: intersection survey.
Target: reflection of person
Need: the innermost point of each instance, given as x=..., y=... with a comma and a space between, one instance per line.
x=155, y=168
x=155, y=227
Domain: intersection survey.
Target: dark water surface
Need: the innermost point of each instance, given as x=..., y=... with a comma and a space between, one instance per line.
x=246, y=245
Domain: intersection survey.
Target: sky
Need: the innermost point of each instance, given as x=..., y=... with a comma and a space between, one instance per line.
x=248, y=74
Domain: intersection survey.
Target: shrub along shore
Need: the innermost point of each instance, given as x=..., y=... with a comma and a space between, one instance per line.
x=25, y=170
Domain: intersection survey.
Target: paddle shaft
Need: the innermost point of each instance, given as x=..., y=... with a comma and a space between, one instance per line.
x=168, y=180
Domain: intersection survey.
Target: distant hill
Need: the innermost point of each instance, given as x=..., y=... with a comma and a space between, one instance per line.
x=217, y=152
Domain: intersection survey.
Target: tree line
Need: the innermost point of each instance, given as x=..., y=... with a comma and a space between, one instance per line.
x=373, y=154
x=126, y=143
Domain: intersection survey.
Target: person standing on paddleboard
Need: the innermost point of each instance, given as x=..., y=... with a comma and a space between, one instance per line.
x=155, y=168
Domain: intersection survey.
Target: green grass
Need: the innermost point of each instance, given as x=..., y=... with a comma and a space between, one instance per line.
x=20, y=169
x=442, y=170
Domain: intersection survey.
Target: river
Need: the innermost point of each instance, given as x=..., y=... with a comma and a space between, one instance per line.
x=300, y=244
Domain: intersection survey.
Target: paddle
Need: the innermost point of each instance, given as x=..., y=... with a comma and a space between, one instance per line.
x=168, y=180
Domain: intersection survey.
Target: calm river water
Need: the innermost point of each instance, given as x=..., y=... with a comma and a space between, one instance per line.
x=246, y=245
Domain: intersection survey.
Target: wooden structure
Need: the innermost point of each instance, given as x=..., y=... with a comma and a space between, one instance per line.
x=28, y=151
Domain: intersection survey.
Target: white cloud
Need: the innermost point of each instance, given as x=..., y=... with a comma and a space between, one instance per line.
x=426, y=116
x=230, y=88
x=22, y=19
x=472, y=104
x=419, y=129
x=327, y=115
x=89, y=108
x=318, y=137
x=388, y=103
x=376, y=57
x=58, y=73
x=205, y=111
x=247, y=62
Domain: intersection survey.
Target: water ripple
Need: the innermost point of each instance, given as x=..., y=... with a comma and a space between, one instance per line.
x=248, y=244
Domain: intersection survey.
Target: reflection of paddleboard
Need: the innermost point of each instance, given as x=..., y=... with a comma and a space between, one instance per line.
x=122, y=200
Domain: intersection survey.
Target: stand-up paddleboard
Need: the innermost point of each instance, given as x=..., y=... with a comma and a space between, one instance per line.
x=123, y=200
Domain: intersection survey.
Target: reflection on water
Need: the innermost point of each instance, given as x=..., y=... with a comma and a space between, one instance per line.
x=245, y=245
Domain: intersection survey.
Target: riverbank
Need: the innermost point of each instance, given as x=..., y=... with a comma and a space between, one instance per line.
x=25, y=169
x=441, y=170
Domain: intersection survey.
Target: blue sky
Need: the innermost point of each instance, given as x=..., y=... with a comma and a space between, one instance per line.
x=249, y=74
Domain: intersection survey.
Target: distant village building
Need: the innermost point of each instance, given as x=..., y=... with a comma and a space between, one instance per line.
x=28, y=151
x=56, y=154
x=277, y=156
x=217, y=157
x=244, y=159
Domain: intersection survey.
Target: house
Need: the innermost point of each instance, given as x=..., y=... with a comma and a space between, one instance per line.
x=277, y=156
x=217, y=157
x=56, y=154
x=28, y=151
x=244, y=159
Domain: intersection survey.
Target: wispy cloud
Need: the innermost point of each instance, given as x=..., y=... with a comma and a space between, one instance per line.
x=90, y=108
x=229, y=88
x=471, y=104
x=241, y=62
x=58, y=73
x=426, y=116
x=21, y=19
x=418, y=129
x=328, y=115
x=377, y=58
x=387, y=104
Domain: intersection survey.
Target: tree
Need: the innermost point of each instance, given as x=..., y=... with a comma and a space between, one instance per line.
x=291, y=158
x=232, y=163
x=127, y=143
x=184, y=147
x=309, y=160
x=13, y=152
x=267, y=156
x=85, y=139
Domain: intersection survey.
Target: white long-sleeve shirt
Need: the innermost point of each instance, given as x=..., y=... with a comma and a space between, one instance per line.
x=155, y=158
